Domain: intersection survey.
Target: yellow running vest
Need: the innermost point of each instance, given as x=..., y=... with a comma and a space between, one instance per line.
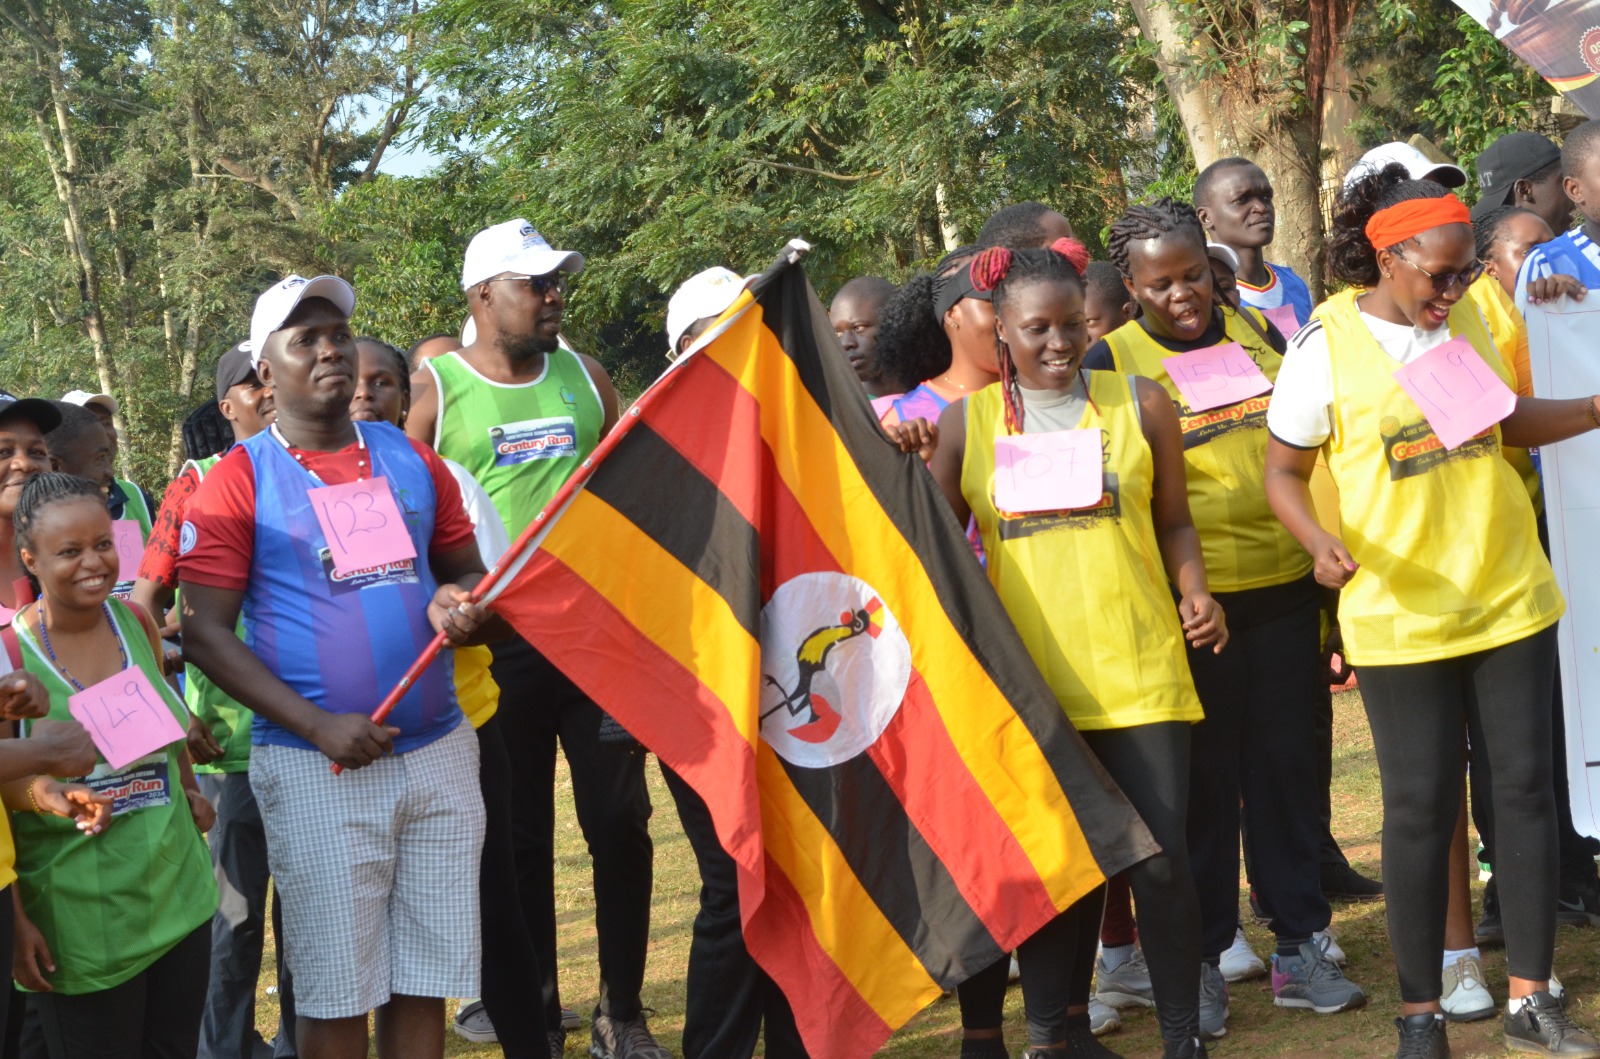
x=1086, y=589
x=1224, y=459
x=1450, y=559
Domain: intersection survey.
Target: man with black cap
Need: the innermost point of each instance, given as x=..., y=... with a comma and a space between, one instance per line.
x=1524, y=169
x=219, y=743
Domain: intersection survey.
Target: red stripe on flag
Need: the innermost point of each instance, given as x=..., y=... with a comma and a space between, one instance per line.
x=689, y=728
x=834, y=1020
x=729, y=450
x=943, y=800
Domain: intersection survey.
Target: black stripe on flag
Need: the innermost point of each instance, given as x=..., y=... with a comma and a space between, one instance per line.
x=908, y=495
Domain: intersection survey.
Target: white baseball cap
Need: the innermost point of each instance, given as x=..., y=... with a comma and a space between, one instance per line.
x=84, y=398
x=1417, y=164
x=1223, y=253
x=274, y=306
x=704, y=294
x=515, y=246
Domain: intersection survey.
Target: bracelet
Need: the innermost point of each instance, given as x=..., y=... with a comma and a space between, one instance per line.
x=32, y=800
x=1594, y=413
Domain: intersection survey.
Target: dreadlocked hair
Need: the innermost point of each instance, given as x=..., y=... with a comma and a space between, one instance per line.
x=206, y=432
x=1002, y=271
x=1163, y=217
x=40, y=492
x=1490, y=228
x=912, y=346
x=1351, y=256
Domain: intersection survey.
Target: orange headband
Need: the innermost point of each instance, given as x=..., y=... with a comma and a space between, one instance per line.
x=1393, y=226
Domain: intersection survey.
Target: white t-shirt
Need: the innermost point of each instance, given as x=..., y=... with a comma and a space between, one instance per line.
x=486, y=522
x=1301, y=413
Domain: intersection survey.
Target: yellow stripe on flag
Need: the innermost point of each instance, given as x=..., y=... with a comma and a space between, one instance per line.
x=680, y=613
x=848, y=923
x=820, y=473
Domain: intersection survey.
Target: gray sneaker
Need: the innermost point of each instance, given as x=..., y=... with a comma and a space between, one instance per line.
x=1126, y=987
x=617, y=1039
x=1312, y=980
x=1542, y=1026
x=1213, y=1003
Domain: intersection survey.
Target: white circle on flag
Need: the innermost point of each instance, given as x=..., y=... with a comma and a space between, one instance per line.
x=834, y=669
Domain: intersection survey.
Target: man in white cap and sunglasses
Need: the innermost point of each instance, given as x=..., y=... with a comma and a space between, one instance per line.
x=521, y=412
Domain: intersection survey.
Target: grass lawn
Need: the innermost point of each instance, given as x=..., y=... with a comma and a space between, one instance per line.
x=1256, y=1029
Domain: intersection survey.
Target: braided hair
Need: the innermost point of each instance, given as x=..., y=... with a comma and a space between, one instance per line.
x=1163, y=217
x=1351, y=256
x=1489, y=229
x=402, y=365
x=912, y=346
x=40, y=492
x=1002, y=271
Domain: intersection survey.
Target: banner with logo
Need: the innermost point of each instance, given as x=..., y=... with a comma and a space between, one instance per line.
x=1561, y=340
x=780, y=605
x=1560, y=39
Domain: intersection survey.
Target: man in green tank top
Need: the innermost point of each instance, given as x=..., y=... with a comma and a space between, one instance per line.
x=521, y=412
x=219, y=744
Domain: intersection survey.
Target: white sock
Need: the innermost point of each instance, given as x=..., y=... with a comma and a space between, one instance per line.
x=1452, y=955
x=1514, y=1004
x=1114, y=956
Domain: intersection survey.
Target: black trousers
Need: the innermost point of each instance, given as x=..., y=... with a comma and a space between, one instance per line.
x=540, y=707
x=238, y=930
x=1057, y=965
x=1259, y=742
x=510, y=959
x=730, y=998
x=1150, y=762
x=153, y=1015
x=1417, y=712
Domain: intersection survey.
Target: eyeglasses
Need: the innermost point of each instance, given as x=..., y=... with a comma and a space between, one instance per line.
x=1442, y=281
x=540, y=285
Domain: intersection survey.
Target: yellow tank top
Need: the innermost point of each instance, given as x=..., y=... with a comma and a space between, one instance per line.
x=1450, y=559
x=1224, y=457
x=1086, y=588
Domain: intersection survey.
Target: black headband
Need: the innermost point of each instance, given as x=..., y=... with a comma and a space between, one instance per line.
x=953, y=287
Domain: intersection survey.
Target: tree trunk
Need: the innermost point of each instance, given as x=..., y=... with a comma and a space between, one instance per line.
x=1197, y=106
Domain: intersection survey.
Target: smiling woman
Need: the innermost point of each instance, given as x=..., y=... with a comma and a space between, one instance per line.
x=23, y=454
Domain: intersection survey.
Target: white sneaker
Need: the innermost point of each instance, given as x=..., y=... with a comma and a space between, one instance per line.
x=1331, y=950
x=1466, y=996
x=1103, y=1018
x=1239, y=962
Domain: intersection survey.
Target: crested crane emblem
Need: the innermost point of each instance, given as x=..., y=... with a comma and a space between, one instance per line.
x=835, y=666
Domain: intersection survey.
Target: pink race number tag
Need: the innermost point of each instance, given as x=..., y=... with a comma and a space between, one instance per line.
x=129, y=539
x=126, y=717
x=1057, y=471
x=1284, y=319
x=1216, y=376
x=1460, y=395
x=362, y=524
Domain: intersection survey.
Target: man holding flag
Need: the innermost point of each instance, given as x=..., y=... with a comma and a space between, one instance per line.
x=521, y=413
x=780, y=605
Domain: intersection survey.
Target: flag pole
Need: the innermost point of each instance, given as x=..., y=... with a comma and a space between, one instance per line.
x=789, y=255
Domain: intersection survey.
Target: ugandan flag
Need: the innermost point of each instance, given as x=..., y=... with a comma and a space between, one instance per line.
x=764, y=591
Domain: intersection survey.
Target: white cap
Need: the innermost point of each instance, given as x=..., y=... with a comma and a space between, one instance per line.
x=85, y=399
x=515, y=246
x=1224, y=254
x=274, y=306
x=469, y=332
x=704, y=294
x=1417, y=164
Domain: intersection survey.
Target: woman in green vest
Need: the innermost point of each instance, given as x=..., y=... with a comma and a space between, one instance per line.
x=127, y=914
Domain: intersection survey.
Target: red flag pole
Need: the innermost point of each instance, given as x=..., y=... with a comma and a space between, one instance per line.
x=514, y=555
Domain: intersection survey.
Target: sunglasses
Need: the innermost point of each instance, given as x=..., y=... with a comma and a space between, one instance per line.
x=1443, y=281
x=540, y=285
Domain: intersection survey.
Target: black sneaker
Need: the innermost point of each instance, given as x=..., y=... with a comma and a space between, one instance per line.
x=1578, y=903
x=1340, y=882
x=1542, y=1026
x=984, y=1048
x=1422, y=1037
x=1189, y=1048
x=1489, y=931
x=611, y=1038
x=557, y=1039
x=1083, y=1044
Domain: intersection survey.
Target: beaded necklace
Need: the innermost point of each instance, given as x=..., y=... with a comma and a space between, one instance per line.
x=44, y=634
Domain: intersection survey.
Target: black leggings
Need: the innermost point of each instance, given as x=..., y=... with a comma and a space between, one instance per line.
x=1416, y=712
x=153, y=1015
x=1055, y=976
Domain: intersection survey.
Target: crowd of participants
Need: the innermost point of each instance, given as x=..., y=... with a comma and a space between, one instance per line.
x=1193, y=610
